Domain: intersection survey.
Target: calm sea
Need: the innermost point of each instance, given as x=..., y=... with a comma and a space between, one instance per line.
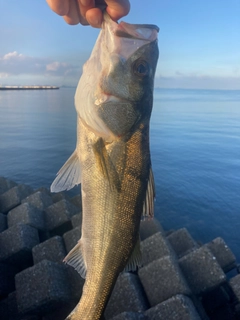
x=195, y=145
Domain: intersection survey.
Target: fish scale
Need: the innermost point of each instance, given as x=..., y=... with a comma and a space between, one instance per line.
x=112, y=159
x=106, y=263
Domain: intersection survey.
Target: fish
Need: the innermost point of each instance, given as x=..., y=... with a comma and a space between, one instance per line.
x=112, y=161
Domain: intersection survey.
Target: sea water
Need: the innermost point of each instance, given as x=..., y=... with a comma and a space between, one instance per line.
x=195, y=147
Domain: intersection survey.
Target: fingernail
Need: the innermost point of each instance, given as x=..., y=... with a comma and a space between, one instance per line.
x=96, y=23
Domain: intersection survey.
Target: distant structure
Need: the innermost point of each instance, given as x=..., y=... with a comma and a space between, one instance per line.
x=28, y=87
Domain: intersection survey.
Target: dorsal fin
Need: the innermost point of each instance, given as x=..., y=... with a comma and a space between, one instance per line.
x=68, y=176
x=76, y=260
x=148, y=205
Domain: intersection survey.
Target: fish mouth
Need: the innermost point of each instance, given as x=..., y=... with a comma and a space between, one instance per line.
x=104, y=98
x=147, y=32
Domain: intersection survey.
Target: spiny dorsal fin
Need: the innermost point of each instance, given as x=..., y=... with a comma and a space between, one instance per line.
x=148, y=205
x=69, y=175
x=76, y=260
x=135, y=259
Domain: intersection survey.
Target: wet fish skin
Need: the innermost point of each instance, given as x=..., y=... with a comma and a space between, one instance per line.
x=114, y=234
x=116, y=178
x=136, y=92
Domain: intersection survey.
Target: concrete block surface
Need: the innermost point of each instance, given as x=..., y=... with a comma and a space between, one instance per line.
x=58, y=216
x=13, y=197
x=56, y=197
x=7, y=284
x=235, y=285
x=42, y=288
x=77, y=201
x=39, y=200
x=130, y=316
x=77, y=220
x=155, y=247
x=3, y=222
x=76, y=283
x=237, y=311
x=71, y=238
x=16, y=245
x=27, y=214
x=223, y=254
x=4, y=314
x=45, y=190
x=215, y=299
x=52, y=250
x=6, y=184
x=201, y=270
x=182, y=242
x=60, y=313
x=163, y=279
x=149, y=227
x=127, y=295
x=12, y=307
x=178, y=307
x=178, y=280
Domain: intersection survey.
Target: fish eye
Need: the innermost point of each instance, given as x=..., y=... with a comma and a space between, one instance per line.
x=141, y=67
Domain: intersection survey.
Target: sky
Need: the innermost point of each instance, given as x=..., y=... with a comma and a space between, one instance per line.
x=199, y=43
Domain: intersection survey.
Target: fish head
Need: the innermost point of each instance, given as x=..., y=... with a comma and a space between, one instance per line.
x=116, y=87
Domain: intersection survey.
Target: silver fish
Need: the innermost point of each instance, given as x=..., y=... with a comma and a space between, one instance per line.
x=112, y=159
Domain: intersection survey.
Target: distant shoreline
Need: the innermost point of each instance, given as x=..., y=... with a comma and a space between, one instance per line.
x=28, y=87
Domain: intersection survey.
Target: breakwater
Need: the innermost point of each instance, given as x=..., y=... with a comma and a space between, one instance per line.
x=180, y=278
x=28, y=87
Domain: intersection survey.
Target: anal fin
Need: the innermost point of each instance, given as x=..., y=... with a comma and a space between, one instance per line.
x=148, y=205
x=135, y=259
x=76, y=260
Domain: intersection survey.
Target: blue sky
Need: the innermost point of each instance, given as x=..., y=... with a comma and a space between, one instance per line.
x=199, y=43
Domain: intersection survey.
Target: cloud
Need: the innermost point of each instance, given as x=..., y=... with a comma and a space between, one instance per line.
x=14, y=63
x=55, y=66
x=4, y=75
x=62, y=69
x=198, y=81
x=12, y=55
x=15, y=66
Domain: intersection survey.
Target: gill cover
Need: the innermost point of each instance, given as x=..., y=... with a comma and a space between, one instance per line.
x=115, y=44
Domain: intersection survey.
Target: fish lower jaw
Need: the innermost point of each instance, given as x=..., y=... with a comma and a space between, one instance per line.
x=104, y=97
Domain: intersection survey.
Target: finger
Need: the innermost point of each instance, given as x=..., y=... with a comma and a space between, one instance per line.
x=85, y=5
x=73, y=16
x=61, y=7
x=117, y=9
x=94, y=17
x=91, y=10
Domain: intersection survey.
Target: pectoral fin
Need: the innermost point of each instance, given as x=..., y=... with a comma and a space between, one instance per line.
x=135, y=259
x=148, y=205
x=68, y=176
x=76, y=260
x=105, y=164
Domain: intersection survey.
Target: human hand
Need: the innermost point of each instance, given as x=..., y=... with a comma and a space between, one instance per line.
x=89, y=11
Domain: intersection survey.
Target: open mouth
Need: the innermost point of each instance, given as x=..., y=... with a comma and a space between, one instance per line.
x=147, y=32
